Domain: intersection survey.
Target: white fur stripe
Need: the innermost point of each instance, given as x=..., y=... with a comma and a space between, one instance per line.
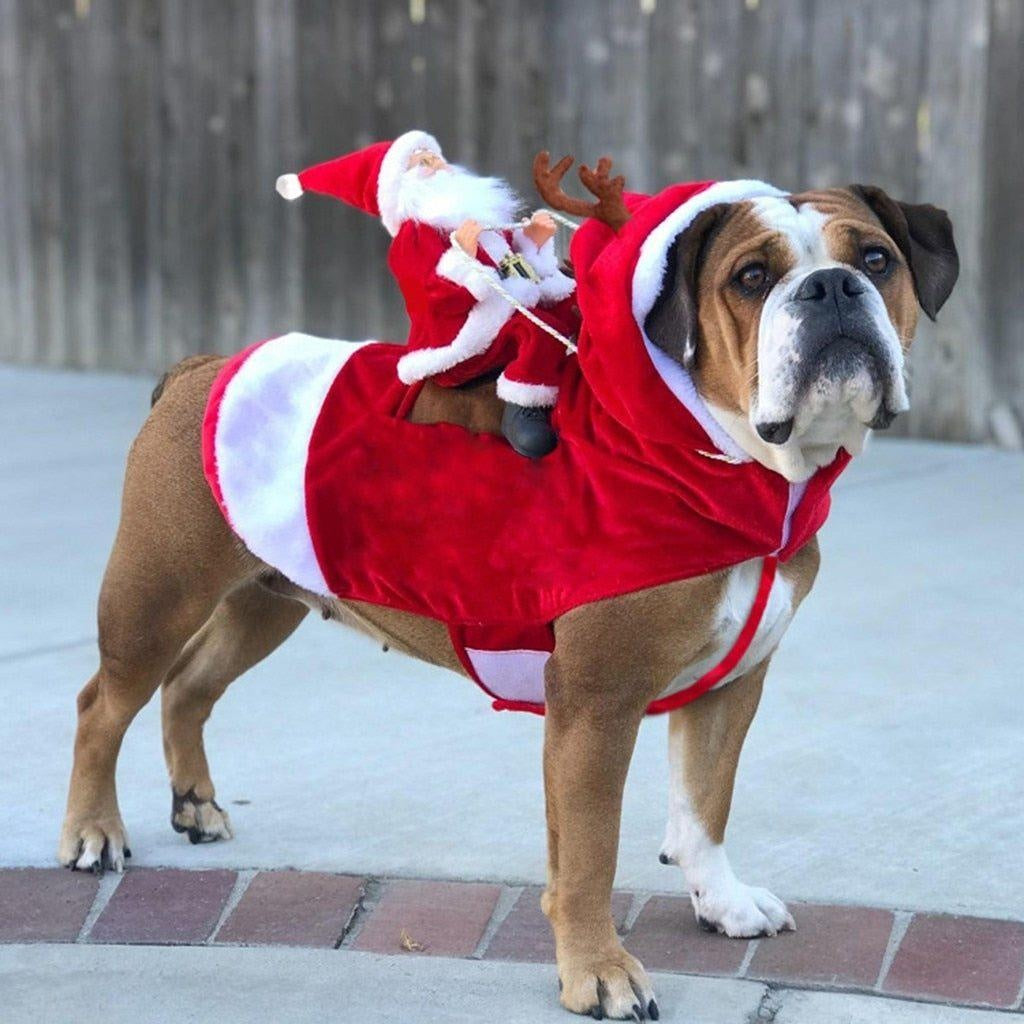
x=264, y=426
x=647, y=280
x=521, y=393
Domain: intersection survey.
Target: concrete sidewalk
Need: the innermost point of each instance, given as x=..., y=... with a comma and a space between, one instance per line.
x=167, y=985
x=883, y=769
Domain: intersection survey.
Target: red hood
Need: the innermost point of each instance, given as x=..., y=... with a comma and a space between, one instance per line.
x=618, y=278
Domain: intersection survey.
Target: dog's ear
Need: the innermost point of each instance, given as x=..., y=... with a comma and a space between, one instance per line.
x=672, y=323
x=925, y=237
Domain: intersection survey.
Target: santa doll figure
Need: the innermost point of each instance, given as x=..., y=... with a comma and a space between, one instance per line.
x=461, y=327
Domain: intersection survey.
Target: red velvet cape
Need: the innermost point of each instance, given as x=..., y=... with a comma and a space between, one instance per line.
x=434, y=520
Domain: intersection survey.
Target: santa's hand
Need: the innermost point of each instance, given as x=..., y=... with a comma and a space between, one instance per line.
x=467, y=236
x=541, y=228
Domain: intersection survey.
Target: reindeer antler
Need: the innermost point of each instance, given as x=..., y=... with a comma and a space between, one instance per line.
x=609, y=207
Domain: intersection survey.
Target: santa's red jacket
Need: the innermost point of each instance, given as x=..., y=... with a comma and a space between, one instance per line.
x=456, y=318
x=310, y=459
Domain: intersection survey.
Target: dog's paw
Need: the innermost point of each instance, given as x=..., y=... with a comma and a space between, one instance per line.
x=205, y=821
x=95, y=846
x=741, y=911
x=613, y=986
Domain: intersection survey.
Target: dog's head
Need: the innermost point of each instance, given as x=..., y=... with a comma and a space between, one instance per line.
x=793, y=314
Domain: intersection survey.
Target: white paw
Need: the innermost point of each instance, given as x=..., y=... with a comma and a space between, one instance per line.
x=741, y=911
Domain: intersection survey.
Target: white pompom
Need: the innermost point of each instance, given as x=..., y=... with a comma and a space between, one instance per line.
x=289, y=186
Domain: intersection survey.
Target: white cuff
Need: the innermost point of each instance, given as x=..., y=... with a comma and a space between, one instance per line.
x=520, y=393
x=455, y=266
x=554, y=285
x=543, y=260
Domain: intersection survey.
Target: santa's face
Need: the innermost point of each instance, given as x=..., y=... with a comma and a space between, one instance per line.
x=433, y=191
x=428, y=162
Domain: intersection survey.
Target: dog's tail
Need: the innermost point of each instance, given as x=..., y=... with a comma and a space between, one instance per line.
x=176, y=371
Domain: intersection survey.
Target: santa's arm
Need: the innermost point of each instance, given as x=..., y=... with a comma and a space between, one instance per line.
x=554, y=285
x=460, y=303
x=424, y=258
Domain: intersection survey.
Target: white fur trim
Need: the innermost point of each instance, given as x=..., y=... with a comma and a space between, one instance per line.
x=393, y=166
x=518, y=392
x=542, y=259
x=647, y=280
x=524, y=291
x=476, y=335
x=288, y=186
x=554, y=285
x=454, y=266
x=264, y=425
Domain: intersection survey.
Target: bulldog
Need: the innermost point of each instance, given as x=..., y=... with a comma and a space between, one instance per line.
x=776, y=324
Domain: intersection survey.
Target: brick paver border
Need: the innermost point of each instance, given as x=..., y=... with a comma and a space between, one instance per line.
x=960, y=961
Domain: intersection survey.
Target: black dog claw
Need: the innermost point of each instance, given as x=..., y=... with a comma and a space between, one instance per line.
x=652, y=1010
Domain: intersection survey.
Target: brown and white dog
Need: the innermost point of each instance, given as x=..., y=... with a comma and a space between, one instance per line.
x=795, y=315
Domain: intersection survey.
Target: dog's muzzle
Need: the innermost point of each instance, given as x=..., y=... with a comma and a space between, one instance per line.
x=842, y=351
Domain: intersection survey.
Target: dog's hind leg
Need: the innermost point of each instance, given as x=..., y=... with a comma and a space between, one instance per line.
x=705, y=739
x=249, y=623
x=173, y=560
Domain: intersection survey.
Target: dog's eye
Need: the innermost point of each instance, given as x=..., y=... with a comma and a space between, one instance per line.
x=752, y=278
x=875, y=259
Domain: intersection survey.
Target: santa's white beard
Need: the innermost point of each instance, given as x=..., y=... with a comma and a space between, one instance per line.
x=448, y=197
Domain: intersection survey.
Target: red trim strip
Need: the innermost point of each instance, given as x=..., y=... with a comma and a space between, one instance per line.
x=735, y=655
x=518, y=705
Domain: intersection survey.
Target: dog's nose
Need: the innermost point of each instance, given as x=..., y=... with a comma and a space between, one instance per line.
x=776, y=433
x=834, y=283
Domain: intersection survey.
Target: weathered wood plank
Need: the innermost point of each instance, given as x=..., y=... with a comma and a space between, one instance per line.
x=951, y=374
x=1004, y=225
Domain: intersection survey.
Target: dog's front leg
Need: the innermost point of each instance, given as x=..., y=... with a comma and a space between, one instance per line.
x=705, y=739
x=589, y=735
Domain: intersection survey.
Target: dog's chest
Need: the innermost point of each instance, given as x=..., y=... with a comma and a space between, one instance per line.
x=731, y=616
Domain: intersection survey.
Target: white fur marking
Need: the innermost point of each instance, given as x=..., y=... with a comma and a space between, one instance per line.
x=733, y=612
x=717, y=895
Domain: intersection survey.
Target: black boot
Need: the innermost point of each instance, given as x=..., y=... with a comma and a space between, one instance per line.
x=527, y=429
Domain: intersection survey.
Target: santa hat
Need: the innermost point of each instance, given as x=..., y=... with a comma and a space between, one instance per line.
x=369, y=179
x=619, y=275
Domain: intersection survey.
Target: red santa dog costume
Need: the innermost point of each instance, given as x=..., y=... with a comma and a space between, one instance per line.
x=460, y=327
x=310, y=459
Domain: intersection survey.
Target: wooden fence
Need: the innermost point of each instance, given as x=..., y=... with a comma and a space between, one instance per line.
x=140, y=140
